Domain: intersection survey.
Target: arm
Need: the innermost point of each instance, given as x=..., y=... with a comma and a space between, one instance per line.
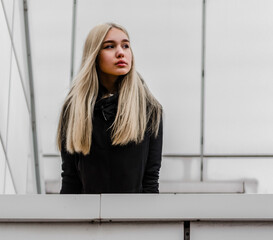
x=151, y=173
x=71, y=183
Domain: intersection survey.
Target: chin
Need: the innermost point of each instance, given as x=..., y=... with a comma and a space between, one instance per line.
x=120, y=73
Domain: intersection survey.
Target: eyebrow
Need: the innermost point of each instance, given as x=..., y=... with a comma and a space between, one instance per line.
x=112, y=41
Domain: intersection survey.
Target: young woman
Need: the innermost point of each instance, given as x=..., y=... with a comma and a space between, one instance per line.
x=110, y=128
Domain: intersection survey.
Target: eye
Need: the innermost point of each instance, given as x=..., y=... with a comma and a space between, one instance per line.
x=108, y=46
x=126, y=46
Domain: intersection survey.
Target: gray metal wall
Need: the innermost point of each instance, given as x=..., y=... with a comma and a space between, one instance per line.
x=16, y=147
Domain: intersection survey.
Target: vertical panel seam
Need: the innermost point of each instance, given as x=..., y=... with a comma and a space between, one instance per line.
x=73, y=35
x=32, y=101
x=202, y=140
x=187, y=230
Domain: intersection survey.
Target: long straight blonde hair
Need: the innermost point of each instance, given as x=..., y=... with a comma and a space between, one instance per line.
x=136, y=105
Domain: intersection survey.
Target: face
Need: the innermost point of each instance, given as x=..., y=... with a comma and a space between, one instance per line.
x=115, y=56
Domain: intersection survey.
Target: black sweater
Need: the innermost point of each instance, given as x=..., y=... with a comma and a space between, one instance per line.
x=133, y=168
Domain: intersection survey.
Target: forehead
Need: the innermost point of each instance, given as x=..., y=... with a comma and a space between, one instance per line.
x=115, y=34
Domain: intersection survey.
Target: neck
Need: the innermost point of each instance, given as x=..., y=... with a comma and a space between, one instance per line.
x=109, y=82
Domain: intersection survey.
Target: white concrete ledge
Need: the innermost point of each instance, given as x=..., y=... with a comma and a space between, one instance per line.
x=48, y=208
x=202, y=187
x=193, y=207
x=136, y=207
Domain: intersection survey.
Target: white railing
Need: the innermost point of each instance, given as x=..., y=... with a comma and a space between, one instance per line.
x=137, y=216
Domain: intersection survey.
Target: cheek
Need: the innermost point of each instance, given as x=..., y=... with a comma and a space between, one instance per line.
x=130, y=59
x=103, y=60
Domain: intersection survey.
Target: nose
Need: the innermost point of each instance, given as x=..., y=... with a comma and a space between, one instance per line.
x=120, y=52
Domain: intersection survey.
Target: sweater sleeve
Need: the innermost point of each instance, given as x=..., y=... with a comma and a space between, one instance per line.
x=151, y=173
x=71, y=183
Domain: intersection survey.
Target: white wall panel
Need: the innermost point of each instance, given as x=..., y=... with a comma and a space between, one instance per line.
x=52, y=168
x=104, y=231
x=50, y=34
x=9, y=184
x=19, y=146
x=234, y=231
x=19, y=41
x=31, y=178
x=5, y=56
x=8, y=7
x=256, y=172
x=180, y=169
x=166, y=40
x=2, y=169
x=30, y=181
x=239, y=86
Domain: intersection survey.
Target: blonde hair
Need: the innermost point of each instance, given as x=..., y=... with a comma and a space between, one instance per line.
x=136, y=105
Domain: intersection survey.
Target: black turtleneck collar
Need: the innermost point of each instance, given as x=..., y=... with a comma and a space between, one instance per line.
x=108, y=105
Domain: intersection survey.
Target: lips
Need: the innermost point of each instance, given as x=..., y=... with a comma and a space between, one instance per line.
x=121, y=63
